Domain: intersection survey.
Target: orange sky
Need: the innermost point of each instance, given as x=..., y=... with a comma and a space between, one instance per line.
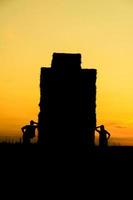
x=30, y=31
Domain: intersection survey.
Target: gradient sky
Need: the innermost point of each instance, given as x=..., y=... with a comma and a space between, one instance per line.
x=101, y=30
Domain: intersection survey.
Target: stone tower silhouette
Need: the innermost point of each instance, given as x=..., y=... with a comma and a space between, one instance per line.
x=67, y=102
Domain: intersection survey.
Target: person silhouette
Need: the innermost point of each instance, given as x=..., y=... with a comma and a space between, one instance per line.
x=104, y=136
x=29, y=131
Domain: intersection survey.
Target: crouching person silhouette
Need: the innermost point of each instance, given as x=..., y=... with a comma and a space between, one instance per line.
x=29, y=131
x=104, y=136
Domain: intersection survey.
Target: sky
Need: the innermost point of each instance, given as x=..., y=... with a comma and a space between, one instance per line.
x=102, y=31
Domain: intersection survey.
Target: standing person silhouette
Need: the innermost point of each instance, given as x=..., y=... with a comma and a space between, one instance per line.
x=103, y=136
x=29, y=131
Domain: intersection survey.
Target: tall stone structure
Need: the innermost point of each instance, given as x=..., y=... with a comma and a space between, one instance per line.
x=67, y=102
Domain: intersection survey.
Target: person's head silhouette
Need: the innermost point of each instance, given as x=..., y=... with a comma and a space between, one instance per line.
x=102, y=127
x=31, y=122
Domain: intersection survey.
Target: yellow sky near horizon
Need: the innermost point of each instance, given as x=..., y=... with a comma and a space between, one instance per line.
x=102, y=31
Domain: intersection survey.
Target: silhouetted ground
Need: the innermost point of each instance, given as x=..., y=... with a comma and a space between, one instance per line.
x=114, y=159
x=34, y=151
x=74, y=166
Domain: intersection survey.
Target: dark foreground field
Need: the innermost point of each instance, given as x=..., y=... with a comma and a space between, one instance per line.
x=35, y=151
x=71, y=166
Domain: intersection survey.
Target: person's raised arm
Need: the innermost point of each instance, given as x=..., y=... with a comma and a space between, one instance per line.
x=36, y=123
x=97, y=128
